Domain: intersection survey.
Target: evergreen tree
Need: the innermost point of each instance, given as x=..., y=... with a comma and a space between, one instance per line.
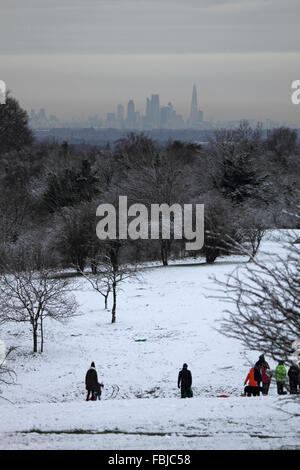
x=14, y=130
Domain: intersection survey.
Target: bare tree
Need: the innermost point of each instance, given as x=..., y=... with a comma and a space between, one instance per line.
x=266, y=302
x=111, y=274
x=253, y=225
x=115, y=275
x=100, y=283
x=162, y=179
x=254, y=236
x=32, y=296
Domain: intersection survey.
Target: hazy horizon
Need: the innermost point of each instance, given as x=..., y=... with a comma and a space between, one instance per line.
x=77, y=59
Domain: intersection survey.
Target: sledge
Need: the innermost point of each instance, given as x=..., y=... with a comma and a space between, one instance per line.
x=139, y=340
x=223, y=396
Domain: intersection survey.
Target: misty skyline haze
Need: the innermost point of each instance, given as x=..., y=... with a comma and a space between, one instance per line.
x=78, y=58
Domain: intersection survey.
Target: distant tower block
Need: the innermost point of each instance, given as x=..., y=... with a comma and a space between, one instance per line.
x=155, y=110
x=194, y=107
x=120, y=113
x=148, y=109
x=131, y=114
x=196, y=115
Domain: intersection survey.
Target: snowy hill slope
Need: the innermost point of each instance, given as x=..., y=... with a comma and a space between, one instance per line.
x=169, y=423
x=169, y=309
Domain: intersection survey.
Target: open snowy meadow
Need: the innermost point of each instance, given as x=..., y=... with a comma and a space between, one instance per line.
x=141, y=407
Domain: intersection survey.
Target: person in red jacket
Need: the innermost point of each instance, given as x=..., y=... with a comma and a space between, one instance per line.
x=252, y=388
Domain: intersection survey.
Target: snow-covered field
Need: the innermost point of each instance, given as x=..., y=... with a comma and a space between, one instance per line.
x=169, y=308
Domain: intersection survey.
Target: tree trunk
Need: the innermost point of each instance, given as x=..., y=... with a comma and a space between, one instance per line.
x=255, y=242
x=35, y=339
x=113, y=311
x=210, y=258
x=80, y=264
x=94, y=267
x=42, y=335
x=164, y=251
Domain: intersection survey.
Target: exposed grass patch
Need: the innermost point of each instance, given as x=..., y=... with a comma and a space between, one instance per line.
x=111, y=431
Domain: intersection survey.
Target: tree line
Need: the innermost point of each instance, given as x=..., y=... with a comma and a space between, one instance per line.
x=50, y=192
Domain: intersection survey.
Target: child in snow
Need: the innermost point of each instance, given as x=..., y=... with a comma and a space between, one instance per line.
x=280, y=376
x=98, y=392
x=252, y=388
x=265, y=378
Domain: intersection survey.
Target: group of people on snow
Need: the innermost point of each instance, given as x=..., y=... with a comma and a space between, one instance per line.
x=258, y=380
x=93, y=387
x=260, y=375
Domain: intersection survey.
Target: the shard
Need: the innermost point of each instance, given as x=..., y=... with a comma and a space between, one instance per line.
x=194, y=107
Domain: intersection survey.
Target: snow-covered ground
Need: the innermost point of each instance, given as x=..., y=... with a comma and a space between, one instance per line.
x=165, y=423
x=169, y=308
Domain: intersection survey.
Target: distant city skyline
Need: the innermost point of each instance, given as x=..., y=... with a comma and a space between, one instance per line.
x=76, y=59
x=155, y=116
x=230, y=86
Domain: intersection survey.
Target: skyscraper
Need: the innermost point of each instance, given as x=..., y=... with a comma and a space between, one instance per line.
x=166, y=114
x=148, y=109
x=111, y=120
x=194, y=107
x=196, y=116
x=130, y=114
x=155, y=110
x=120, y=113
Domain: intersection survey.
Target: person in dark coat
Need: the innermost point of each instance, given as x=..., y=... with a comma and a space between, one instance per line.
x=185, y=382
x=91, y=382
x=293, y=374
x=257, y=370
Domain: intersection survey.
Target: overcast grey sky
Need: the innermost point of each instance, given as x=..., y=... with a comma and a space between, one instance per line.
x=84, y=56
